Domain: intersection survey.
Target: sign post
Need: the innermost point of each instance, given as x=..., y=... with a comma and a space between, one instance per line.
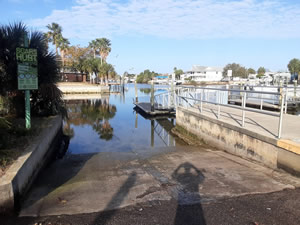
x=27, y=75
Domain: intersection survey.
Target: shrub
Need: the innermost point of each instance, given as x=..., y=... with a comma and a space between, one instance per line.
x=47, y=100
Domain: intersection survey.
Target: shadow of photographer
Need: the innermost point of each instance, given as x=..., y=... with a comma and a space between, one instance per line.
x=189, y=209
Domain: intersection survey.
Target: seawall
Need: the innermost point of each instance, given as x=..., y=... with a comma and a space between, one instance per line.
x=272, y=152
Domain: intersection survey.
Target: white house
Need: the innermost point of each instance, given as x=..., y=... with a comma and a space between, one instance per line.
x=203, y=73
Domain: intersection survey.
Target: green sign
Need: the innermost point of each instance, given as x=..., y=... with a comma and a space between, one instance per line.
x=27, y=68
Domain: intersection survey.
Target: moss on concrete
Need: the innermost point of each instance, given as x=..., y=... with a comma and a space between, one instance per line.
x=187, y=136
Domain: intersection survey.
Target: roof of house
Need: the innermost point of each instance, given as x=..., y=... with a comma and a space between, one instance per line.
x=196, y=68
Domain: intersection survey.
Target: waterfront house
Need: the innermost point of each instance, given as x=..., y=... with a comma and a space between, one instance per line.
x=203, y=73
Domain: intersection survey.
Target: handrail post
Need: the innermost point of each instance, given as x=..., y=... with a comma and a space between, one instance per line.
x=261, y=102
x=280, y=117
x=201, y=99
x=244, y=106
x=218, y=101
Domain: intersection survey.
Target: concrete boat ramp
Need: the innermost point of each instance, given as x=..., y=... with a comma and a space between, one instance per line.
x=104, y=181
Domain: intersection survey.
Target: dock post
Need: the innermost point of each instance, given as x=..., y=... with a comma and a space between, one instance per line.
x=152, y=133
x=123, y=84
x=136, y=90
x=136, y=120
x=152, y=96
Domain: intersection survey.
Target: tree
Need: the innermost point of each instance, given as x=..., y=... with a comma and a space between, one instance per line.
x=146, y=76
x=251, y=71
x=54, y=34
x=294, y=66
x=261, y=71
x=63, y=45
x=237, y=70
x=47, y=99
x=178, y=72
x=75, y=58
x=104, y=48
x=94, y=46
x=106, y=70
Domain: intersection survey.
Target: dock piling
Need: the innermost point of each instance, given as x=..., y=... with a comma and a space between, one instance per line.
x=152, y=96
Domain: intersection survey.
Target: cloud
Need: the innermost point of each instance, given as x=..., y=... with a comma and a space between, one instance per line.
x=179, y=19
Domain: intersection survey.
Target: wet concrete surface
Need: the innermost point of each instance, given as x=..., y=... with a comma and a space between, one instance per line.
x=109, y=181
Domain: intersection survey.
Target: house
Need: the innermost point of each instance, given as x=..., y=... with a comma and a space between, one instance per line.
x=203, y=73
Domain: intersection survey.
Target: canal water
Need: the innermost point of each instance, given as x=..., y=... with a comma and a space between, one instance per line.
x=109, y=123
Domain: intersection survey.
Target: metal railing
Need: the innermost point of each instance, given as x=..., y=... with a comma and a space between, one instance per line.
x=197, y=97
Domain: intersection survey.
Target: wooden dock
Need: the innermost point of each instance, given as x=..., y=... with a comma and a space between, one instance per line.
x=145, y=107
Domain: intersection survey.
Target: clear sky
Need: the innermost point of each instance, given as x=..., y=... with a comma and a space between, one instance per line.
x=161, y=34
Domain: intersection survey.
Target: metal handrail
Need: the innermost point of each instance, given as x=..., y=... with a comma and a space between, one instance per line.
x=234, y=107
x=243, y=106
x=234, y=90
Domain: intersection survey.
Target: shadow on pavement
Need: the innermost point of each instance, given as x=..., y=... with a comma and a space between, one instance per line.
x=56, y=174
x=117, y=199
x=189, y=177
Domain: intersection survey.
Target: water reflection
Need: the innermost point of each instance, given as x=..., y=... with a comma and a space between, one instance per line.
x=109, y=124
x=96, y=113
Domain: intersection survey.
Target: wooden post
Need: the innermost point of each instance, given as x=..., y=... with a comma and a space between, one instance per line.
x=136, y=120
x=152, y=96
x=136, y=90
x=152, y=133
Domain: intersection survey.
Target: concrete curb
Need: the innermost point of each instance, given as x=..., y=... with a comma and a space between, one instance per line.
x=18, y=178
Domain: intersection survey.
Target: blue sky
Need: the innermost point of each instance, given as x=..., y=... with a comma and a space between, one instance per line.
x=161, y=34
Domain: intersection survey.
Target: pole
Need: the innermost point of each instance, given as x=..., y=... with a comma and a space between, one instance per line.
x=27, y=96
x=280, y=117
x=136, y=91
x=152, y=133
x=172, y=89
x=219, y=102
x=244, y=106
x=152, y=96
x=136, y=120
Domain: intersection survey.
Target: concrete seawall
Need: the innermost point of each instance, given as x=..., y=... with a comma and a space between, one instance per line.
x=79, y=88
x=240, y=141
x=19, y=177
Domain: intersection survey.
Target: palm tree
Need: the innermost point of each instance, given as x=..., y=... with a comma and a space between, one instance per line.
x=94, y=46
x=45, y=100
x=104, y=48
x=54, y=34
x=63, y=45
x=105, y=70
x=92, y=65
